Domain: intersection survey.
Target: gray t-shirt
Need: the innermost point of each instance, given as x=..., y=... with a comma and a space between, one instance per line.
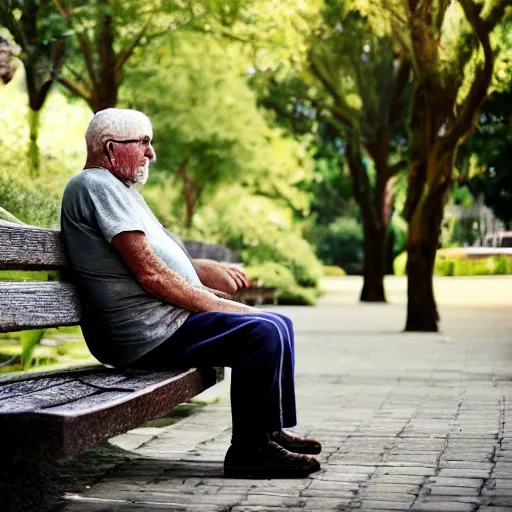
x=121, y=321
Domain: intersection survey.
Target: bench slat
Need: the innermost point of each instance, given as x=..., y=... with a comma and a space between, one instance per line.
x=30, y=386
x=61, y=430
x=46, y=398
x=99, y=400
x=30, y=248
x=34, y=304
x=129, y=380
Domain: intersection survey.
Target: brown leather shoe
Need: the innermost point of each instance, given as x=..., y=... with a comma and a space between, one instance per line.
x=271, y=461
x=293, y=443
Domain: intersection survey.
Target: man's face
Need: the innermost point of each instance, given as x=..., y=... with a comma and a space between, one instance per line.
x=130, y=158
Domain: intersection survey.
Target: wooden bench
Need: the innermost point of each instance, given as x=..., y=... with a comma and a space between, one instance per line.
x=49, y=415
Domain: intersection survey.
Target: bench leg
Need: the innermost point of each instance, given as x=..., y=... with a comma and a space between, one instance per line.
x=21, y=486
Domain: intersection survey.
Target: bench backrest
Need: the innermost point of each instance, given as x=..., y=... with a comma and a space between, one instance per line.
x=34, y=304
x=38, y=304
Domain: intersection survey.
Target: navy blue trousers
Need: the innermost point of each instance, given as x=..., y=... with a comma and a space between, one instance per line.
x=260, y=350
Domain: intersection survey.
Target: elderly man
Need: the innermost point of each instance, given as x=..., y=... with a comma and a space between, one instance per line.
x=147, y=305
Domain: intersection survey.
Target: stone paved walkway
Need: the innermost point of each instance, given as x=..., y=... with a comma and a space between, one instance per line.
x=408, y=422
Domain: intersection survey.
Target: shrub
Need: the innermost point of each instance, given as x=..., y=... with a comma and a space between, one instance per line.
x=38, y=208
x=260, y=231
x=443, y=267
x=457, y=263
x=288, y=291
x=298, y=296
x=334, y=271
x=272, y=274
x=340, y=243
x=400, y=264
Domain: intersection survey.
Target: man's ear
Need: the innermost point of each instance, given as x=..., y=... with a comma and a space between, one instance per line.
x=109, y=153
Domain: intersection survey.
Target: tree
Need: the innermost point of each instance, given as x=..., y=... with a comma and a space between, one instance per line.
x=365, y=81
x=109, y=33
x=451, y=48
x=208, y=129
x=32, y=24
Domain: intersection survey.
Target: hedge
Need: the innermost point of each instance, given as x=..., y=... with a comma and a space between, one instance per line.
x=452, y=263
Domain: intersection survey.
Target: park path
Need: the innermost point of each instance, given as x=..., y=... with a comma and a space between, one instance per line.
x=419, y=422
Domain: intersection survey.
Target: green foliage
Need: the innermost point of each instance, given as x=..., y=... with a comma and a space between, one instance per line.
x=399, y=264
x=28, y=204
x=288, y=291
x=457, y=264
x=491, y=144
x=340, y=243
x=208, y=128
x=29, y=341
x=333, y=271
x=37, y=201
x=298, y=296
x=271, y=274
x=23, y=275
x=260, y=231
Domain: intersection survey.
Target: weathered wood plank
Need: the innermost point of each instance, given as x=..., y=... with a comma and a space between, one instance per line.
x=84, y=405
x=55, y=433
x=30, y=248
x=46, y=398
x=128, y=380
x=37, y=304
x=30, y=386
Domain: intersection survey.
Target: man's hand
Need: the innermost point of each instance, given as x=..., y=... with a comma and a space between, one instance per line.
x=225, y=277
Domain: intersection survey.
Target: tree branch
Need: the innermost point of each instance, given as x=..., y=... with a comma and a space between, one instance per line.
x=85, y=44
x=360, y=182
x=75, y=88
x=125, y=54
x=468, y=111
x=65, y=10
x=338, y=109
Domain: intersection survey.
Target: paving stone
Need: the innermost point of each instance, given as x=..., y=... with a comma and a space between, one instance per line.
x=407, y=422
x=455, y=482
x=383, y=505
x=452, y=491
x=377, y=488
x=495, y=509
x=442, y=506
x=464, y=473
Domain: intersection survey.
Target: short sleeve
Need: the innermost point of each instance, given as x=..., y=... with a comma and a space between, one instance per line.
x=113, y=208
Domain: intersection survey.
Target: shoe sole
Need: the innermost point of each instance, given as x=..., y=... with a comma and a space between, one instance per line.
x=303, y=452
x=269, y=472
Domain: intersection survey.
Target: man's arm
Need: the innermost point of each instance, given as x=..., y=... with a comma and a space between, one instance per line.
x=223, y=279
x=162, y=282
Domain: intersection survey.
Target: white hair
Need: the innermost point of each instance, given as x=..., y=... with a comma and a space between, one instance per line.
x=116, y=123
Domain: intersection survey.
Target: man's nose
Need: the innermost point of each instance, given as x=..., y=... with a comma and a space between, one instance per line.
x=150, y=153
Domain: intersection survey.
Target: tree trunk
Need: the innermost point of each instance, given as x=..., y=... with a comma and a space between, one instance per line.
x=375, y=238
x=422, y=244
x=422, y=312
x=105, y=90
x=34, y=120
x=376, y=207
